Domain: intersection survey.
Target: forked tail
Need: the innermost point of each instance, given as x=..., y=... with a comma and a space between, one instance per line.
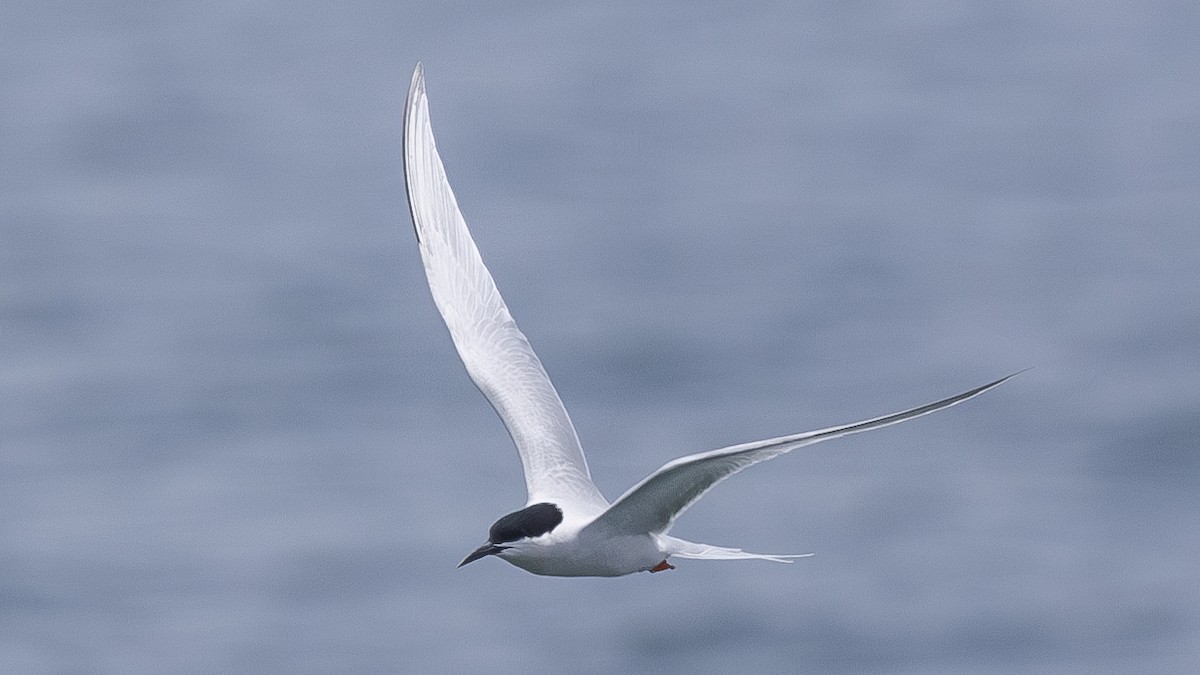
x=690, y=549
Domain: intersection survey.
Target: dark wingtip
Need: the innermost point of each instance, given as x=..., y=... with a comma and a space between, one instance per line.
x=416, y=85
x=1006, y=378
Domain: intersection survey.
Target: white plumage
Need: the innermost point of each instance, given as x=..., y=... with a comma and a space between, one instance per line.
x=581, y=534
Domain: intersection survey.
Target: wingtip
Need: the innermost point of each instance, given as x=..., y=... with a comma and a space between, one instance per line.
x=1006, y=378
x=414, y=100
x=989, y=386
x=417, y=83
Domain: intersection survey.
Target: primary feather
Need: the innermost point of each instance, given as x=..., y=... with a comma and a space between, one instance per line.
x=653, y=504
x=495, y=352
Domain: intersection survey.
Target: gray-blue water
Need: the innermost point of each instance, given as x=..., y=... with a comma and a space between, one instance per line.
x=234, y=435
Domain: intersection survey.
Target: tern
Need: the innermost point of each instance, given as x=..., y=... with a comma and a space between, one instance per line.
x=567, y=528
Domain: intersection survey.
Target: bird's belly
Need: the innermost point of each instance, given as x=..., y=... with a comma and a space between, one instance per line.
x=589, y=557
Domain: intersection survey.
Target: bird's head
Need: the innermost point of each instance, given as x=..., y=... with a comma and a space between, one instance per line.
x=515, y=529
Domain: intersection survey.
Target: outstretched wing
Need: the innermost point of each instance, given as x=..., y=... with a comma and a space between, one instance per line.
x=497, y=355
x=653, y=504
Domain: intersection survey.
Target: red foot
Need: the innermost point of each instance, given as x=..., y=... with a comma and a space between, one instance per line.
x=662, y=567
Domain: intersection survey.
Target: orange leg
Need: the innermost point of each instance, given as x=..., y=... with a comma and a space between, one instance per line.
x=662, y=567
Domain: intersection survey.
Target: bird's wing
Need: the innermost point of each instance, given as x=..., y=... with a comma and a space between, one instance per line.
x=653, y=504
x=497, y=355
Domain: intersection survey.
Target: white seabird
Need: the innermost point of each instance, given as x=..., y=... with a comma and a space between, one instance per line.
x=567, y=527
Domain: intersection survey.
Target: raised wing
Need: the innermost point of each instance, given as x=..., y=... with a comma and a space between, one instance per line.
x=497, y=355
x=653, y=504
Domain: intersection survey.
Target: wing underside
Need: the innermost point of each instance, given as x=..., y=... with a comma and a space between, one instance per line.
x=653, y=504
x=496, y=353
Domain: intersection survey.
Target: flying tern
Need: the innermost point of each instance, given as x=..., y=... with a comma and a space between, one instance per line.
x=567, y=528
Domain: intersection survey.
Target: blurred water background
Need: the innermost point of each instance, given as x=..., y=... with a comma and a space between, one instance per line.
x=234, y=436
